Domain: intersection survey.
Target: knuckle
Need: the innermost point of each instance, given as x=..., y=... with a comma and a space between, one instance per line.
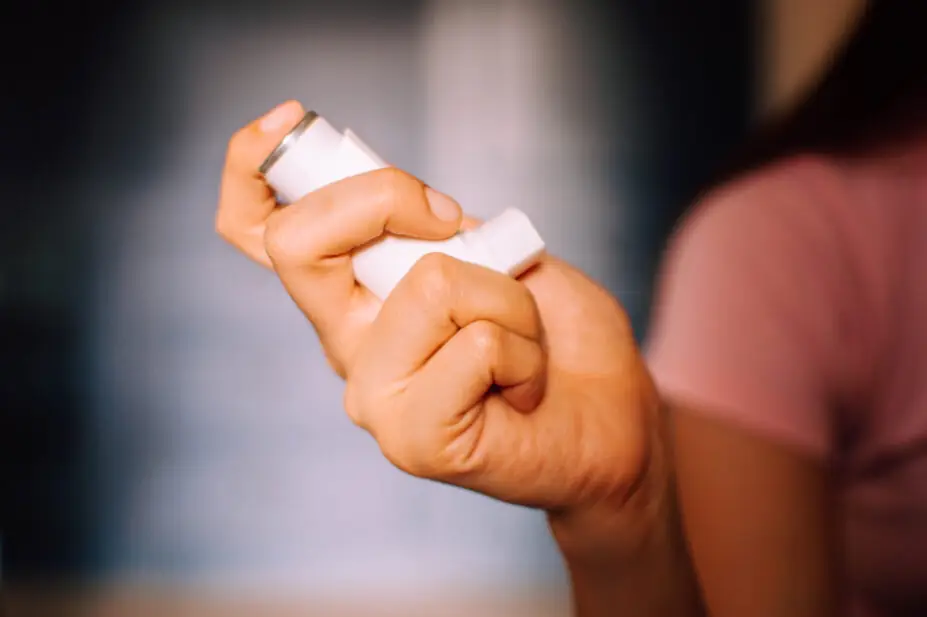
x=283, y=242
x=432, y=277
x=354, y=403
x=395, y=187
x=275, y=241
x=396, y=179
x=486, y=339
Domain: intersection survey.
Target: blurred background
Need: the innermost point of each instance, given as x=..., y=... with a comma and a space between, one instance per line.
x=170, y=428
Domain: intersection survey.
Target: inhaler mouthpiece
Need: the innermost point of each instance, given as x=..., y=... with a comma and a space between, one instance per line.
x=314, y=154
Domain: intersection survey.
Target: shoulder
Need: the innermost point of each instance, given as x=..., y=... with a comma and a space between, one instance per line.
x=780, y=206
x=776, y=230
x=744, y=316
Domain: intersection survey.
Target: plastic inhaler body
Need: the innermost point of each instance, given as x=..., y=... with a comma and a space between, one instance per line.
x=314, y=154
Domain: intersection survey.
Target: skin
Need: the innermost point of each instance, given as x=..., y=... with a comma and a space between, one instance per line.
x=469, y=377
x=759, y=520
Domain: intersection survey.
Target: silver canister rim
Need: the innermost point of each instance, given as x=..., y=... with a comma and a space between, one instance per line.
x=288, y=140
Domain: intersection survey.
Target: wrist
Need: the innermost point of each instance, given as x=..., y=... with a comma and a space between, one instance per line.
x=618, y=530
x=621, y=524
x=631, y=552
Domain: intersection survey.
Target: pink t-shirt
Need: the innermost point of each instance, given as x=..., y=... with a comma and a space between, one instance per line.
x=793, y=303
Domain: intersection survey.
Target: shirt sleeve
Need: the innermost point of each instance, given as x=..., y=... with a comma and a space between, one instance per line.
x=745, y=323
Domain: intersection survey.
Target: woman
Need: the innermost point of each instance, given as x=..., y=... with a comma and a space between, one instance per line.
x=786, y=346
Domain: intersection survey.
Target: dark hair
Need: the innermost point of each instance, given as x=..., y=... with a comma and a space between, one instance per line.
x=873, y=95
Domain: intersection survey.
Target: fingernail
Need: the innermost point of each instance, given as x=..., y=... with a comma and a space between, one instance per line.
x=283, y=115
x=441, y=205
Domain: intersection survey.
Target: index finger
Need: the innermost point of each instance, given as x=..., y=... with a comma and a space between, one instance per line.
x=438, y=297
x=245, y=199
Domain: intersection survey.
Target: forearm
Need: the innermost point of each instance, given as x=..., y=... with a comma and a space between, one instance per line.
x=654, y=580
x=633, y=560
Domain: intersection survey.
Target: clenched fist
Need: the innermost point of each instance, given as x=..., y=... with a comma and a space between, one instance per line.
x=531, y=391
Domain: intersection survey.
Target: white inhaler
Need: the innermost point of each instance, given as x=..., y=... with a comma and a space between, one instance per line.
x=314, y=154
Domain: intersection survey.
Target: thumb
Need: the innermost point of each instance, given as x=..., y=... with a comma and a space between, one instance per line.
x=423, y=212
x=345, y=215
x=442, y=207
x=245, y=200
x=251, y=144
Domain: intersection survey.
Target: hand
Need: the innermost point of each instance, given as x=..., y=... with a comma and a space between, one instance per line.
x=530, y=391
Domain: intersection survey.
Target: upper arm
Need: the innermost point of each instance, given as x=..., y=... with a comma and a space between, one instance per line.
x=745, y=344
x=758, y=520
